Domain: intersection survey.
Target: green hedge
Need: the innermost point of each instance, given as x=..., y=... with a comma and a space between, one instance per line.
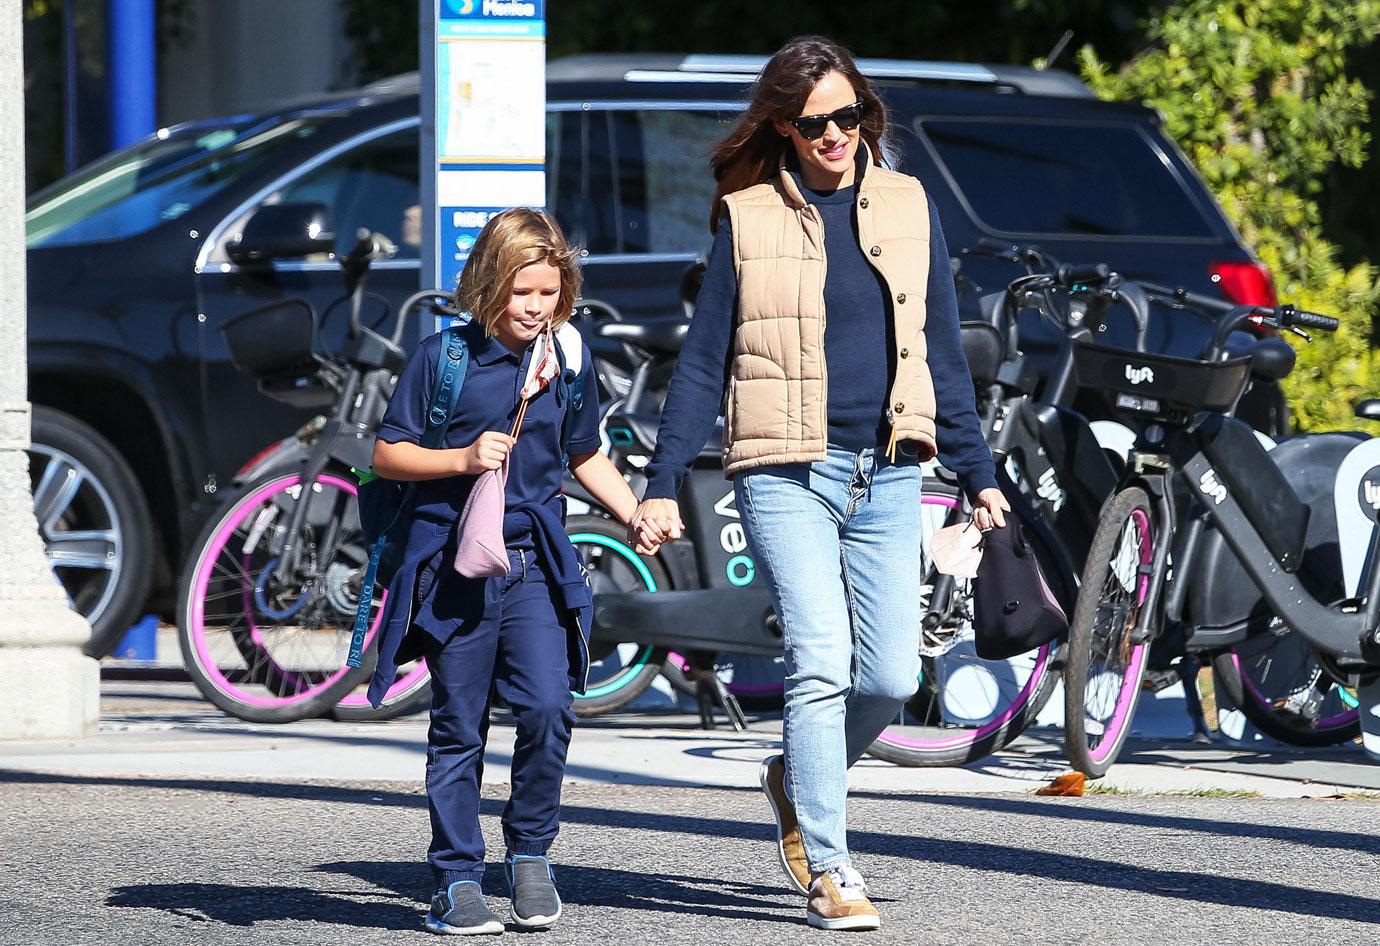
x=1257, y=96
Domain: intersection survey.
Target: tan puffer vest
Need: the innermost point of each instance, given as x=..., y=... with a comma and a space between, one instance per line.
x=778, y=408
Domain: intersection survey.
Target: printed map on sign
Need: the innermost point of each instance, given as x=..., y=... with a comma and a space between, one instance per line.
x=496, y=100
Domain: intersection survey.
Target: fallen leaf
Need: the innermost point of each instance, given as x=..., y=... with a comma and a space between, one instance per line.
x=1070, y=783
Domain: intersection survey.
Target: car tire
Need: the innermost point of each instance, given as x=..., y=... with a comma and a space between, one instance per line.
x=108, y=573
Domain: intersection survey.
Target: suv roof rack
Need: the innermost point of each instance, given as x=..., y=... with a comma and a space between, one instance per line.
x=745, y=69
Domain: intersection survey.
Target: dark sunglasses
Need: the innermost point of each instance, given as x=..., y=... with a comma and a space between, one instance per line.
x=813, y=126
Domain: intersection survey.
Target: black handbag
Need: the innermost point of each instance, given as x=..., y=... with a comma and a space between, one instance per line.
x=1014, y=610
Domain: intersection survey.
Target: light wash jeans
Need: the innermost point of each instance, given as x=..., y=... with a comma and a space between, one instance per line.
x=839, y=545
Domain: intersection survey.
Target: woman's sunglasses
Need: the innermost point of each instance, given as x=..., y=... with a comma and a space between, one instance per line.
x=813, y=126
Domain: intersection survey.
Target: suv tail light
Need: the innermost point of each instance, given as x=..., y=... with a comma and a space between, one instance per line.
x=1245, y=283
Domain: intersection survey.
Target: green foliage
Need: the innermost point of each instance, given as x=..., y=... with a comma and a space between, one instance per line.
x=1256, y=93
x=383, y=36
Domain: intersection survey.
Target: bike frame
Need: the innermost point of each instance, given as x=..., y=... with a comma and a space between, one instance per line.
x=1351, y=637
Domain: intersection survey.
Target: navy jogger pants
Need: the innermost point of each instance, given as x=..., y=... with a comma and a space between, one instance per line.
x=517, y=647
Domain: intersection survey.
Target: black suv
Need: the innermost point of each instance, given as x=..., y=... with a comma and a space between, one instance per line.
x=137, y=260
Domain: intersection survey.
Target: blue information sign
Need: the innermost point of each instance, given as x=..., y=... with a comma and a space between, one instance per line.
x=483, y=122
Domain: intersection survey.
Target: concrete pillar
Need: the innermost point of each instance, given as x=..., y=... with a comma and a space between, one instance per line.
x=49, y=689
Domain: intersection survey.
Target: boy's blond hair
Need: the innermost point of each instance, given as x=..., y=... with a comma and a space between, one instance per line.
x=514, y=239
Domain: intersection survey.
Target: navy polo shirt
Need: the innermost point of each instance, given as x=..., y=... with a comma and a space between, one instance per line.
x=489, y=400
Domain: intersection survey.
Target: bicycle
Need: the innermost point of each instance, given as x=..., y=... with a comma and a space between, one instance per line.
x=270, y=559
x=1196, y=468
x=268, y=595
x=1055, y=472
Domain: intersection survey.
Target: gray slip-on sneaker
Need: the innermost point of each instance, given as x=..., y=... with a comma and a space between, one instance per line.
x=460, y=910
x=536, y=904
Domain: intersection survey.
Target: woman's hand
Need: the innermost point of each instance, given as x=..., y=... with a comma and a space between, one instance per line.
x=990, y=509
x=656, y=520
x=642, y=539
x=486, y=453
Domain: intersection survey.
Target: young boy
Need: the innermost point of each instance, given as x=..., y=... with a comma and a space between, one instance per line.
x=521, y=635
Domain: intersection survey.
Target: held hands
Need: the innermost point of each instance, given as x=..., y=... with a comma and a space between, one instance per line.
x=990, y=509
x=487, y=453
x=655, y=522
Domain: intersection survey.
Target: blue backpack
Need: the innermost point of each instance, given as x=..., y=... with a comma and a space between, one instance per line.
x=385, y=506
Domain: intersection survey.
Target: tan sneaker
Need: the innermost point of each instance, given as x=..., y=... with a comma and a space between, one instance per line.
x=838, y=901
x=789, y=847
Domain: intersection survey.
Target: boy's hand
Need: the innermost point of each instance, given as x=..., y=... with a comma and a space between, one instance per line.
x=644, y=540
x=486, y=453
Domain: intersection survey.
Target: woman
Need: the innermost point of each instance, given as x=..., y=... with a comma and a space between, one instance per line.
x=828, y=310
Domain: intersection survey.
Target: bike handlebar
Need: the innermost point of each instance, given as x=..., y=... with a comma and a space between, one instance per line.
x=1071, y=275
x=368, y=247
x=1285, y=316
x=441, y=302
x=1289, y=315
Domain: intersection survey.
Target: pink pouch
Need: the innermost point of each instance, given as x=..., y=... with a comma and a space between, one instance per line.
x=481, y=552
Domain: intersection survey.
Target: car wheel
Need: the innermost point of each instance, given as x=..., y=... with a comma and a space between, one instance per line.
x=94, y=522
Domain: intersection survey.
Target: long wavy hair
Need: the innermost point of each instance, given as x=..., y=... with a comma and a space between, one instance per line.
x=509, y=241
x=751, y=152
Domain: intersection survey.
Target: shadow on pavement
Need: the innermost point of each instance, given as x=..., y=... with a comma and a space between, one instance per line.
x=606, y=887
x=1074, y=811
x=247, y=905
x=406, y=886
x=667, y=892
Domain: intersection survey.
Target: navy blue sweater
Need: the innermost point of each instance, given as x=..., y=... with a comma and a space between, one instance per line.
x=859, y=349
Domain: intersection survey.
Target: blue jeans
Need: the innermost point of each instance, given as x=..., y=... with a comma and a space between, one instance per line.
x=838, y=543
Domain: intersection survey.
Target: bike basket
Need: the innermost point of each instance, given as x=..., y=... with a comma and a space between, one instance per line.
x=1160, y=385
x=276, y=346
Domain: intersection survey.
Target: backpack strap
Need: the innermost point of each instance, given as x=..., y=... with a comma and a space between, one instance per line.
x=451, y=364
x=445, y=394
x=572, y=378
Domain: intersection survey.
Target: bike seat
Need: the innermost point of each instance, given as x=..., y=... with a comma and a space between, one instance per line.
x=1272, y=358
x=658, y=338
x=990, y=305
x=983, y=347
x=1368, y=409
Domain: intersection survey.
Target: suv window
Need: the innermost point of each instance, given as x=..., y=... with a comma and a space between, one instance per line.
x=155, y=181
x=374, y=185
x=565, y=166
x=647, y=185
x=1034, y=177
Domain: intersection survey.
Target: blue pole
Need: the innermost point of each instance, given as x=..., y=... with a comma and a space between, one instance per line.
x=70, y=77
x=131, y=70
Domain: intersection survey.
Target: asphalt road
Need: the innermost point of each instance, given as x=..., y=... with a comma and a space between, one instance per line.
x=101, y=859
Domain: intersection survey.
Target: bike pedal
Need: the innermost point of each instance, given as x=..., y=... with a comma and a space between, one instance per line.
x=938, y=642
x=1157, y=680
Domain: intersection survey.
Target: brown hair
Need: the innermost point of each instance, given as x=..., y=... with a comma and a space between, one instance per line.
x=509, y=241
x=752, y=151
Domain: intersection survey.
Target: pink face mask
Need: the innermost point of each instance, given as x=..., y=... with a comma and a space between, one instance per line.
x=544, y=365
x=956, y=550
